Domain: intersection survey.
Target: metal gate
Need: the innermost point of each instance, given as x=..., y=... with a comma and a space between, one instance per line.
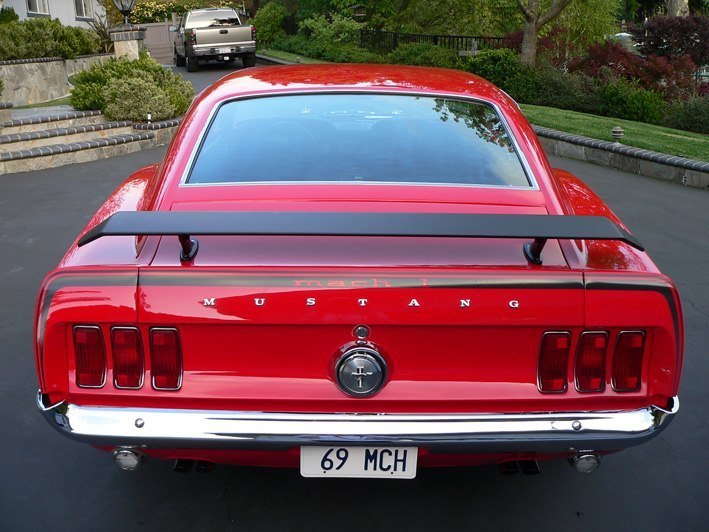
x=159, y=41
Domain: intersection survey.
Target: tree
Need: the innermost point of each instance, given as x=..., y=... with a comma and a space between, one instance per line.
x=677, y=8
x=535, y=20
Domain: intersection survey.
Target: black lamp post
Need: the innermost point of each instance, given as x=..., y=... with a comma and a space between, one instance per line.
x=125, y=7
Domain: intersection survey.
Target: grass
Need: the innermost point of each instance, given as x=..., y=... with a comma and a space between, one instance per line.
x=638, y=134
x=287, y=56
x=50, y=103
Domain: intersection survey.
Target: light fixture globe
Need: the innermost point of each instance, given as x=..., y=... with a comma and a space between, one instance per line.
x=125, y=7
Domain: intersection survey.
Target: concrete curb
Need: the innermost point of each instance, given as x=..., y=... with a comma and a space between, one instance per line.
x=648, y=163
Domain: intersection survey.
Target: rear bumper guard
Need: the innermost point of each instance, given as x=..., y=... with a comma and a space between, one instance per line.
x=474, y=433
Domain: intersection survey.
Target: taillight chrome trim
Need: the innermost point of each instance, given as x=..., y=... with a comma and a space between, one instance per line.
x=642, y=361
x=605, y=362
x=142, y=372
x=181, y=360
x=105, y=356
x=539, y=363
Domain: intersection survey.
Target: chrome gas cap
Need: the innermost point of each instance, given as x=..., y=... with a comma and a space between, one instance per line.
x=361, y=372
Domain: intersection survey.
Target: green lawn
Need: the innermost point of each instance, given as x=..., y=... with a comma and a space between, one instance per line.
x=638, y=134
x=287, y=56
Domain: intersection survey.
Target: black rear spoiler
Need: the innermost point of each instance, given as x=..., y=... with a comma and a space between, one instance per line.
x=538, y=228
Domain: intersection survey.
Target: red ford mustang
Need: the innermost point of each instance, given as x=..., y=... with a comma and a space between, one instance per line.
x=357, y=271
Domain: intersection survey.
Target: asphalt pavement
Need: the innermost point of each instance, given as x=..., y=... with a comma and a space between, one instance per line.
x=49, y=481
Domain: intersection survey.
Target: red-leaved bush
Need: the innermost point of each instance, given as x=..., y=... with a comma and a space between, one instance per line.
x=671, y=77
x=675, y=37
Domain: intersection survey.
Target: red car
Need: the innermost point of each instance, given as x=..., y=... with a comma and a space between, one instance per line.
x=357, y=271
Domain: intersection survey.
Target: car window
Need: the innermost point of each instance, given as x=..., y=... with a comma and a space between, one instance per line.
x=358, y=138
x=212, y=18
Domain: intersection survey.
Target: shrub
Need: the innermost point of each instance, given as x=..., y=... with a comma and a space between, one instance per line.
x=422, y=54
x=503, y=68
x=339, y=29
x=673, y=77
x=317, y=49
x=269, y=22
x=91, y=89
x=692, y=115
x=624, y=99
x=7, y=14
x=146, y=11
x=573, y=91
x=674, y=37
x=40, y=37
x=133, y=98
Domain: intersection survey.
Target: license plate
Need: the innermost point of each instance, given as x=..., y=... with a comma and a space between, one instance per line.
x=358, y=462
x=224, y=50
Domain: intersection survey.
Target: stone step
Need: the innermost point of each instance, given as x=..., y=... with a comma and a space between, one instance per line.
x=67, y=135
x=60, y=120
x=42, y=157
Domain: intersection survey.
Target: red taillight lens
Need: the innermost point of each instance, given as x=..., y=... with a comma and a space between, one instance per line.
x=628, y=361
x=590, y=365
x=190, y=37
x=165, y=359
x=553, y=362
x=90, y=357
x=127, y=350
x=253, y=33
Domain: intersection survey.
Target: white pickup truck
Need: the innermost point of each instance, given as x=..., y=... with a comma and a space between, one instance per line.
x=213, y=34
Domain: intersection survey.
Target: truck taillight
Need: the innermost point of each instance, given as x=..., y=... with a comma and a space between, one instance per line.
x=128, y=361
x=253, y=33
x=90, y=353
x=628, y=361
x=590, y=366
x=190, y=37
x=553, y=362
x=165, y=359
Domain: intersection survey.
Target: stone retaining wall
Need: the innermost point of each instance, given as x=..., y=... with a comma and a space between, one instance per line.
x=31, y=81
x=689, y=172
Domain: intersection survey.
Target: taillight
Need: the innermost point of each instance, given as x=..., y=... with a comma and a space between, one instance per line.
x=553, y=362
x=628, y=361
x=253, y=33
x=90, y=357
x=590, y=366
x=127, y=349
x=190, y=37
x=165, y=359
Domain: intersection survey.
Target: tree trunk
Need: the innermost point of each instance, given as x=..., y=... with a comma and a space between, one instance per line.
x=677, y=8
x=529, y=44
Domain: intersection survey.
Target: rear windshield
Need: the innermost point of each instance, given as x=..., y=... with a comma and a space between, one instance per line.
x=358, y=138
x=219, y=17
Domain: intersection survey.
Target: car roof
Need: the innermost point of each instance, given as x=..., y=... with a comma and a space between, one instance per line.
x=356, y=77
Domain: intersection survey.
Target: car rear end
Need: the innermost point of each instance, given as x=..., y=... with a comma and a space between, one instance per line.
x=373, y=318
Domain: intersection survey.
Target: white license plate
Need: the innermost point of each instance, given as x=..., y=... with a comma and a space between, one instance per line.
x=358, y=462
x=224, y=50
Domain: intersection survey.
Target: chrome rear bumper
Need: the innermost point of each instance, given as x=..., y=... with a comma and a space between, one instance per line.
x=475, y=433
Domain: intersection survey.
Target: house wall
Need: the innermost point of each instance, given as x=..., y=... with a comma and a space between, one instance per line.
x=64, y=10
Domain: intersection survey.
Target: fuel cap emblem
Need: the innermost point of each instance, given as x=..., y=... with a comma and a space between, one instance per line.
x=361, y=372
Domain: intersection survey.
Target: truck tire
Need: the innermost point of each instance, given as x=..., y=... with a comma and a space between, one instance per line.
x=191, y=62
x=249, y=60
x=179, y=59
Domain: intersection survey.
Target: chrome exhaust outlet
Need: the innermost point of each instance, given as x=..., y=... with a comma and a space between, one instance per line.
x=586, y=462
x=127, y=459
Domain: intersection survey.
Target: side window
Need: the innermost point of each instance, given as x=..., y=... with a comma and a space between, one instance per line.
x=39, y=7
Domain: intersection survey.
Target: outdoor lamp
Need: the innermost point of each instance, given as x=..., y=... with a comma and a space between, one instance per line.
x=125, y=7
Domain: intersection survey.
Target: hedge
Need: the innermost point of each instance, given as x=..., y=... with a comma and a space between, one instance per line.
x=41, y=37
x=130, y=89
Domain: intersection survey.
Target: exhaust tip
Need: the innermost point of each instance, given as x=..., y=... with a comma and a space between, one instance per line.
x=585, y=462
x=127, y=459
